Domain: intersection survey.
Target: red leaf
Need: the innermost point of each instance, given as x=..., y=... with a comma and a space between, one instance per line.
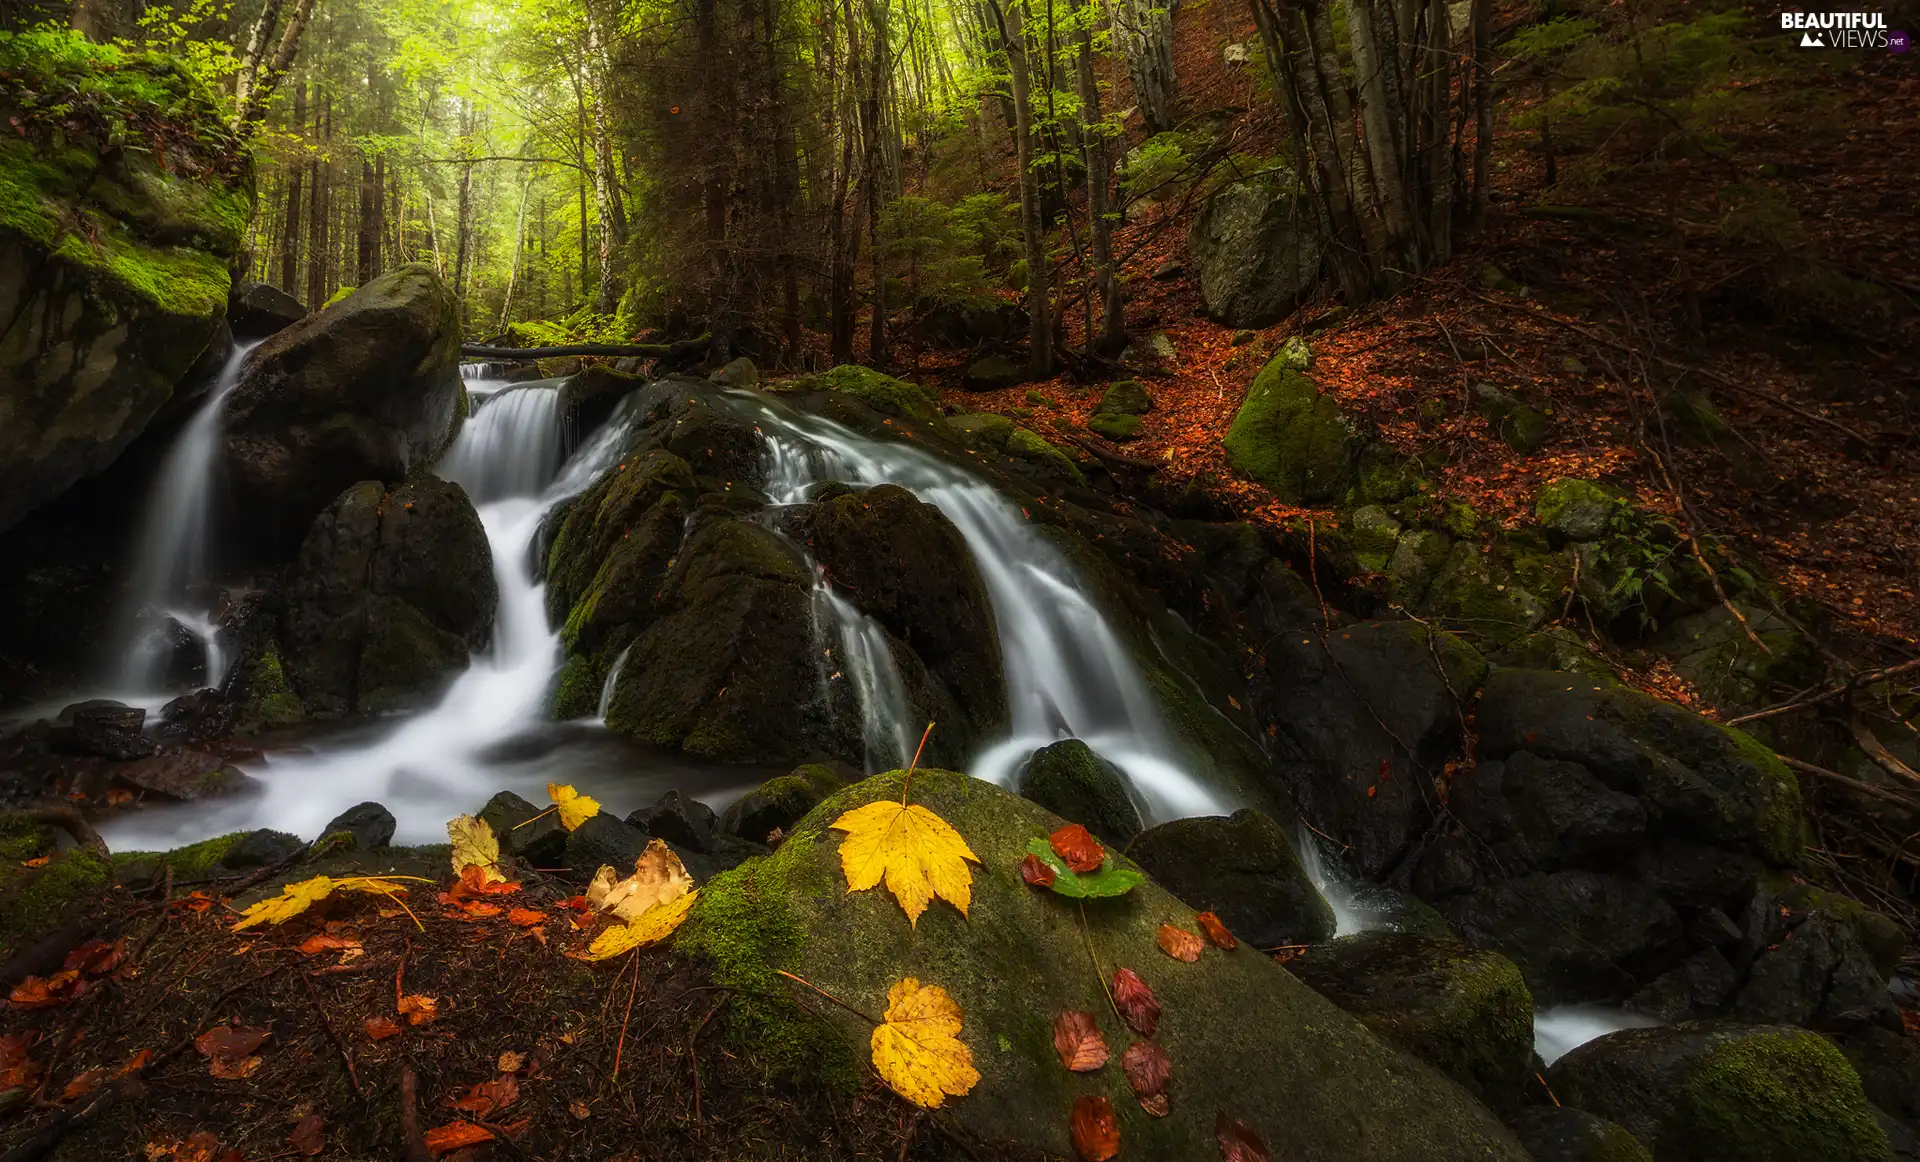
x=96, y=957
x=381, y=1028
x=39, y=992
x=1096, y=1133
x=488, y=1096
x=473, y=882
x=526, y=917
x=1148, y=1071
x=320, y=942
x=229, y=1045
x=1078, y=1041
x=1036, y=871
x=1179, y=943
x=83, y=1083
x=1237, y=1143
x=310, y=1136
x=1216, y=931
x=452, y=1136
x=1136, y=1001
x=1077, y=846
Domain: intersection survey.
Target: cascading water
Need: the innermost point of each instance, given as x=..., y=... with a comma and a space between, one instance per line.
x=860, y=655
x=170, y=564
x=1560, y=1030
x=1068, y=673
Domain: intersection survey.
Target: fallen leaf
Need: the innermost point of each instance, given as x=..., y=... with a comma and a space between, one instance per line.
x=1179, y=943
x=1237, y=1143
x=510, y=1062
x=320, y=942
x=380, y=1028
x=917, y=1048
x=195, y=901
x=526, y=917
x=579, y=1109
x=1078, y=1041
x=653, y=926
x=919, y=853
x=40, y=992
x=37, y=861
x=454, y=1135
x=309, y=1137
x=477, y=909
x=1095, y=1131
x=96, y=957
x=198, y=1147
x=83, y=1083
x=1035, y=871
x=574, y=808
x=658, y=878
x=1148, y=1071
x=1077, y=846
x=233, y=1068
x=297, y=898
x=1110, y=880
x=228, y=1050
x=488, y=1096
x=1136, y=1001
x=474, y=845
x=419, y=1010
x=473, y=881
x=1216, y=931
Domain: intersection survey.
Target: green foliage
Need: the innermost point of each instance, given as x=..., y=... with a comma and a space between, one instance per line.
x=1110, y=880
x=179, y=30
x=1540, y=41
x=1158, y=163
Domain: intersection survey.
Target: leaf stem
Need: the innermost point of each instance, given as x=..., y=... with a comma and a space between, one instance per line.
x=1086, y=932
x=915, y=763
x=823, y=992
x=536, y=818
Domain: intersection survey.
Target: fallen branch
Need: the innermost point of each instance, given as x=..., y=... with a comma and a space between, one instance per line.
x=1864, y=678
x=1907, y=801
x=413, y=1143
x=69, y=820
x=1876, y=750
x=677, y=350
x=1115, y=457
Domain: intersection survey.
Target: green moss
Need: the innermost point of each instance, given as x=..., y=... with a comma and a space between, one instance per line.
x=1782, y=829
x=979, y=430
x=271, y=703
x=576, y=690
x=190, y=862
x=1125, y=398
x=342, y=293
x=1034, y=449
x=35, y=901
x=1575, y=509
x=1118, y=428
x=1292, y=438
x=1374, y=535
x=1786, y=1095
x=22, y=839
x=882, y=393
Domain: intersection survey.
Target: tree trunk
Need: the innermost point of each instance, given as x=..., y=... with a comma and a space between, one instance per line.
x=290, y=233
x=1099, y=160
x=254, y=59
x=1482, y=32
x=612, y=217
x=264, y=85
x=1143, y=29
x=104, y=21
x=1040, y=334
x=319, y=210
x=877, y=185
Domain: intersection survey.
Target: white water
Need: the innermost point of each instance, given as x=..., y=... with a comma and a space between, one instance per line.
x=1560, y=1030
x=170, y=564
x=860, y=655
x=612, y=680
x=1068, y=674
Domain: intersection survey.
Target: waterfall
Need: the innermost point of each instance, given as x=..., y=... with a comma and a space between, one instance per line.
x=862, y=657
x=1564, y=1028
x=170, y=562
x=1068, y=673
x=612, y=680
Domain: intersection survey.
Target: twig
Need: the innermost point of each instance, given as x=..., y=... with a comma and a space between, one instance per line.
x=411, y=1141
x=1882, y=757
x=1086, y=934
x=69, y=820
x=1864, y=678
x=693, y=1055
x=1906, y=801
x=620, y=1047
x=333, y=1035
x=1313, y=574
x=823, y=992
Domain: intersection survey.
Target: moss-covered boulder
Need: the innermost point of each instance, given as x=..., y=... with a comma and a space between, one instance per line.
x=1819, y=959
x=1035, y=450
x=388, y=598
x=1114, y=426
x=1714, y=651
x=1463, y=1010
x=994, y=373
x=35, y=901
x=1292, y=437
x=1243, y=869
x=1124, y=398
x=1573, y=509
x=113, y=261
x=1255, y=251
x=1521, y=427
x=1563, y=1134
x=1375, y=535
x=778, y=804
x=978, y=430
x=1244, y=1038
x=266, y=699
x=1706, y=1091
x=367, y=389
x=1071, y=781
x=883, y=393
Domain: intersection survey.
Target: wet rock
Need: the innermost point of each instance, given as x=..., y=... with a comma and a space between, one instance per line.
x=1572, y=509
x=1564, y=1134
x=1243, y=869
x=192, y=717
x=1714, y=1091
x=1036, y=450
x=979, y=430
x=1576, y=935
x=994, y=373
x=726, y=852
x=603, y=840
x=1713, y=651
x=257, y=309
x=1538, y=813
x=369, y=825
x=778, y=804
x=595, y=392
x=186, y=774
x=1462, y=1010
x=953, y=322
x=1889, y=1067
x=679, y=820
x=367, y=389
x=739, y=373
x=882, y=393
x=1818, y=959
x=1523, y=428
x=530, y=833
x=111, y=733
x=1292, y=438
x=1070, y=780
x=1256, y=251
x=1696, y=987
x=263, y=848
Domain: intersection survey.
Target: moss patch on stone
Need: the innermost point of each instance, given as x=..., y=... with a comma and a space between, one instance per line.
x=270, y=702
x=1034, y=449
x=35, y=901
x=1783, y=1095
x=882, y=393
x=1291, y=437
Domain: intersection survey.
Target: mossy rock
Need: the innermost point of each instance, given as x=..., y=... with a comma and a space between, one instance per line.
x=978, y=430
x=269, y=703
x=1292, y=438
x=1461, y=1009
x=36, y=901
x=1713, y=1091
x=1125, y=398
x=1375, y=535
x=1563, y=1134
x=1572, y=509
x=1034, y=449
x=1243, y=869
x=882, y=393
x=1712, y=650
x=1070, y=780
x=1417, y=557
x=994, y=373
x=1385, y=476
x=1523, y=428
x=1476, y=593
x=779, y=803
x=1324, y=1087
x=1553, y=648
x=1118, y=428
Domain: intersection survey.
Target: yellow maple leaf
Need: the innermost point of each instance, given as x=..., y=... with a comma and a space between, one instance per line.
x=475, y=846
x=658, y=878
x=917, y=1048
x=654, y=925
x=574, y=807
x=297, y=898
x=919, y=853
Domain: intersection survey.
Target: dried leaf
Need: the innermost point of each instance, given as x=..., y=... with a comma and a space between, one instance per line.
x=526, y=917
x=473, y=881
x=1237, y=1143
x=231, y=1042
x=419, y=1010
x=453, y=1136
x=1077, y=1039
x=1216, y=931
x=1179, y=943
x=320, y=942
x=1136, y=1001
x=1148, y=1071
x=233, y=1069
x=84, y=1083
x=488, y=1096
x=309, y=1137
x=579, y=1109
x=1095, y=1130
x=477, y=909
x=96, y=957
x=574, y=808
x=917, y=1048
x=297, y=898
x=1035, y=871
x=920, y=855
x=380, y=1028
x=653, y=926
x=474, y=845
x=40, y=992
x=510, y=1062
x=658, y=878
x=1077, y=846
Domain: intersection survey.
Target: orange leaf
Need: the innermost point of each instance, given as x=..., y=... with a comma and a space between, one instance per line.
x=1136, y=1001
x=1237, y=1143
x=1077, y=846
x=1078, y=1041
x=39, y=992
x=1148, y=1070
x=1179, y=943
x=83, y=1083
x=37, y=861
x=419, y=1010
x=320, y=942
x=473, y=882
x=1036, y=871
x=381, y=1028
x=454, y=1135
x=478, y=909
x=1216, y=931
x=488, y=1096
x=1096, y=1132
x=96, y=957
x=526, y=917
x=309, y=1137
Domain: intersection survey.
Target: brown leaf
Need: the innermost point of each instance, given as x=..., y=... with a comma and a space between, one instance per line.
x=483, y=1099
x=1179, y=943
x=419, y=1010
x=579, y=1109
x=309, y=1137
x=1036, y=871
x=510, y=1062
x=1095, y=1131
x=1077, y=846
x=197, y=1148
x=381, y=1028
x=1136, y=1001
x=228, y=1050
x=452, y=1136
x=96, y=957
x=40, y=992
x=1148, y=1071
x=473, y=882
x=1216, y=931
x=526, y=917
x=233, y=1068
x=320, y=942
x=83, y=1083
x=1237, y=1143
x=1078, y=1041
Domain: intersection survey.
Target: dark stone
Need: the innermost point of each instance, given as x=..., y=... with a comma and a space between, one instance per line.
x=1818, y=959
x=994, y=373
x=192, y=717
x=739, y=373
x=595, y=392
x=186, y=774
x=258, y=309
x=1577, y=935
x=1071, y=781
x=679, y=820
x=1538, y=813
x=1696, y=987
x=1694, y=875
x=730, y=851
x=779, y=803
x=105, y=732
x=103, y=711
x=1241, y=868
x=1256, y=251
x=541, y=843
x=1564, y=1134
x=1889, y=1067
x=603, y=840
x=370, y=825
x=1124, y=398
x=263, y=848
x=1462, y=1010
x=956, y=322
x=1523, y=428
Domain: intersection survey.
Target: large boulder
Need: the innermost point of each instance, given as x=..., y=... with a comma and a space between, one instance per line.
x=367, y=389
x=1070, y=780
x=390, y=594
x=1256, y=248
x=1706, y=1091
x=1292, y=437
x=1817, y=959
x=1245, y=1039
x=1460, y=1009
x=1563, y=1134
x=1241, y=868
x=113, y=262
x=258, y=309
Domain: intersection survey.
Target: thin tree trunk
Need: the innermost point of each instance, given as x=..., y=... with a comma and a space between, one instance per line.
x=290, y=232
x=1482, y=32
x=283, y=58
x=519, y=234
x=1040, y=333
x=612, y=221
x=254, y=59
x=319, y=209
x=1099, y=161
